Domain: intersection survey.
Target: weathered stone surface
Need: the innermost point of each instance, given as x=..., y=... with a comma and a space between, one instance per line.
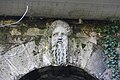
x=14, y=31
x=86, y=42
x=107, y=75
x=86, y=54
x=20, y=60
x=96, y=64
x=1, y=49
x=5, y=70
x=34, y=32
x=27, y=52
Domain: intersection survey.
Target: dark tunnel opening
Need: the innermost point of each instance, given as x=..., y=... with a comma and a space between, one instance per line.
x=58, y=73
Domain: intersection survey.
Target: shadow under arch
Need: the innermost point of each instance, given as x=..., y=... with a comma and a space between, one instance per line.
x=58, y=73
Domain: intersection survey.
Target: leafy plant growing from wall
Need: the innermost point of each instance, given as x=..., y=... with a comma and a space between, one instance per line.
x=110, y=43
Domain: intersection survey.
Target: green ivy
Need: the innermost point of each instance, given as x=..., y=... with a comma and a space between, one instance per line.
x=110, y=42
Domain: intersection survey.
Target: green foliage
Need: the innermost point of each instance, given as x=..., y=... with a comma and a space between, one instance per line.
x=109, y=44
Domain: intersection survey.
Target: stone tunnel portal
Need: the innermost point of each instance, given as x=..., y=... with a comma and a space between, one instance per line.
x=58, y=73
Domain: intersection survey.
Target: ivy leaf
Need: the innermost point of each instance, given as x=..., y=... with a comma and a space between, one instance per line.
x=113, y=30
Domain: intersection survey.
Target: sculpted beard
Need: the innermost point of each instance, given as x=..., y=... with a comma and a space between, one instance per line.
x=59, y=51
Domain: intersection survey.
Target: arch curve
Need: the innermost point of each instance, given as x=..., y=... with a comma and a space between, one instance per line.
x=58, y=73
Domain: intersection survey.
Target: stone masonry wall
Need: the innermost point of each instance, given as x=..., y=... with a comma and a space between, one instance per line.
x=26, y=46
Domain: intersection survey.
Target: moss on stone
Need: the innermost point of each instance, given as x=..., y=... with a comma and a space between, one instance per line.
x=37, y=40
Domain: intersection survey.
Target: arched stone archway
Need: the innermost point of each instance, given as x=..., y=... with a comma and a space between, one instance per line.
x=58, y=73
x=34, y=52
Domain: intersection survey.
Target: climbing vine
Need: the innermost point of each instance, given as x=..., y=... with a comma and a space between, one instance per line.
x=110, y=43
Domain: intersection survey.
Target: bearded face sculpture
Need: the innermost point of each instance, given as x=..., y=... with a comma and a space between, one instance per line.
x=60, y=42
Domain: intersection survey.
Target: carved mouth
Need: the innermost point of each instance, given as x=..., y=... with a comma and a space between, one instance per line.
x=59, y=41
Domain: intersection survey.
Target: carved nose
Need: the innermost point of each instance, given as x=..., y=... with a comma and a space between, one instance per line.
x=60, y=39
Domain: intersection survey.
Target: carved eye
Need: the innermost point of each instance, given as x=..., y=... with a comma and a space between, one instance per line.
x=55, y=34
x=63, y=34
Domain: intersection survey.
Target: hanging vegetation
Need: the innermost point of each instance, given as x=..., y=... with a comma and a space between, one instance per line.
x=110, y=43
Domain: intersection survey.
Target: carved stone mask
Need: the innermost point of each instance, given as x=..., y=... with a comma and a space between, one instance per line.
x=60, y=42
x=59, y=36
